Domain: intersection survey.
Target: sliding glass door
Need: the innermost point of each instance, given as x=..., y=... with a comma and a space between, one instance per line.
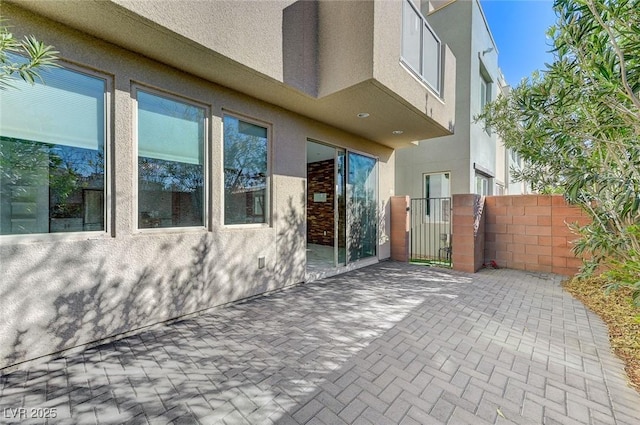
x=341, y=202
x=362, y=211
x=342, y=218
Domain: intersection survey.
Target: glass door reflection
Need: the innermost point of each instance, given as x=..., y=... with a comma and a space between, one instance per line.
x=341, y=210
x=362, y=206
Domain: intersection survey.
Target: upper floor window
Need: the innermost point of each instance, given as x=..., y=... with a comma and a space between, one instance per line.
x=486, y=83
x=486, y=95
x=171, y=170
x=485, y=90
x=52, y=154
x=246, y=147
x=420, y=47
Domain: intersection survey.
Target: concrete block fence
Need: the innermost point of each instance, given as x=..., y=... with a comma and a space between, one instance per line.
x=468, y=232
x=522, y=232
x=400, y=227
x=531, y=232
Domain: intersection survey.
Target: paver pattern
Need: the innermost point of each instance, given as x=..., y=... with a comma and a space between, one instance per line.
x=392, y=343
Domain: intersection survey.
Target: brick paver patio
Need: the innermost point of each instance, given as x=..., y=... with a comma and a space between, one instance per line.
x=389, y=344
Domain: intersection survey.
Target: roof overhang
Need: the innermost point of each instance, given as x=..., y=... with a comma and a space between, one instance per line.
x=389, y=113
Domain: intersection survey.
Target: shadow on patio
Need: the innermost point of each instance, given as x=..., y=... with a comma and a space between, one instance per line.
x=389, y=343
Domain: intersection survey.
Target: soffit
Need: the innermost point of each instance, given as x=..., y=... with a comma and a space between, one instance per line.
x=115, y=24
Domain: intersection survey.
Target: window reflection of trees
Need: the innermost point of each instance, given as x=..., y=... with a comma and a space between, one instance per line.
x=28, y=167
x=171, y=174
x=185, y=185
x=245, y=173
x=362, y=207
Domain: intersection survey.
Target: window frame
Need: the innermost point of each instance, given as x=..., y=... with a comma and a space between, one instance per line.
x=135, y=88
x=444, y=205
x=268, y=201
x=108, y=230
x=486, y=183
x=486, y=90
x=419, y=73
x=348, y=192
x=486, y=85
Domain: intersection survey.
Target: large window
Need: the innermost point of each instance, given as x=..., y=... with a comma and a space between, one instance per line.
x=437, y=191
x=171, y=171
x=246, y=147
x=52, y=154
x=420, y=46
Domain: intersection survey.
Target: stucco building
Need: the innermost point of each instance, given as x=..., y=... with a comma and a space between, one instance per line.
x=507, y=159
x=170, y=164
x=473, y=159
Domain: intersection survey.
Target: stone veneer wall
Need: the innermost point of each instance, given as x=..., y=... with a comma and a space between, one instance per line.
x=320, y=215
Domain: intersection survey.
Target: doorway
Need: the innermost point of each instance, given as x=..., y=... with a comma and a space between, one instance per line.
x=326, y=212
x=342, y=219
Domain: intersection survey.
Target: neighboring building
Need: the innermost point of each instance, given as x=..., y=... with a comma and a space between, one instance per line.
x=507, y=159
x=170, y=164
x=513, y=187
x=464, y=162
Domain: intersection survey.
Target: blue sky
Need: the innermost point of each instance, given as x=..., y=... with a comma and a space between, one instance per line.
x=519, y=29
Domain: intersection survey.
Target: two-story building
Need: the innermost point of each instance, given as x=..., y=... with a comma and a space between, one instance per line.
x=187, y=154
x=507, y=160
x=464, y=162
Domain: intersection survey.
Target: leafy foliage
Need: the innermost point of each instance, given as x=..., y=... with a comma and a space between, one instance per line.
x=627, y=272
x=38, y=56
x=577, y=126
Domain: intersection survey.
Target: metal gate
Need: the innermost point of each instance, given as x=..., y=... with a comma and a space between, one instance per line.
x=431, y=231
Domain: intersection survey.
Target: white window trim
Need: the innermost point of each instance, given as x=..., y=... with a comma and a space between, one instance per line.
x=268, y=191
x=108, y=201
x=487, y=182
x=424, y=191
x=488, y=81
x=135, y=87
x=418, y=73
x=436, y=173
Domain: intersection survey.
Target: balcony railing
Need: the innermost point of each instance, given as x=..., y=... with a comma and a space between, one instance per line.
x=421, y=48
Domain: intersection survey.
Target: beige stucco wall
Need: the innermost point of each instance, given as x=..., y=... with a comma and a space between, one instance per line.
x=59, y=291
x=345, y=45
x=393, y=74
x=249, y=32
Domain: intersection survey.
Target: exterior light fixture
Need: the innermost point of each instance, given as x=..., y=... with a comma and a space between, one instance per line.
x=363, y=115
x=489, y=50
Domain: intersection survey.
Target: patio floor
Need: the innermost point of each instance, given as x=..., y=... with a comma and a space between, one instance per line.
x=393, y=343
